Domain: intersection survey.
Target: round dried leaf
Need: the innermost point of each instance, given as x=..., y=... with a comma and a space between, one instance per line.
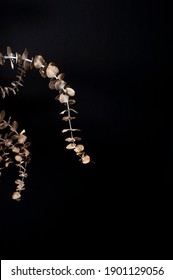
x=52, y=84
x=18, y=158
x=16, y=196
x=61, y=76
x=60, y=84
x=22, y=138
x=63, y=98
x=70, y=91
x=79, y=148
x=38, y=61
x=85, y=159
x=52, y=70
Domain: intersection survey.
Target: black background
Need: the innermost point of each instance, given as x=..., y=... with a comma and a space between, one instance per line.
x=117, y=55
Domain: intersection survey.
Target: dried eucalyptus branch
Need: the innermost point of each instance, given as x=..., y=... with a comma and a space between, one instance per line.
x=16, y=142
x=13, y=142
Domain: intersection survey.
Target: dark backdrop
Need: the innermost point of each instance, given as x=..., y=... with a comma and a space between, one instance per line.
x=117, y=55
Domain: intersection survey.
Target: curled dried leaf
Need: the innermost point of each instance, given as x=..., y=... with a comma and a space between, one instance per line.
x=18, y=181
x=77, y=138
x=20, y=184
x=65, y=130
x=71, y=101
x=3, y=125
x=70, y=139
x=79, y=148
x=61, y=76
x=14, y=126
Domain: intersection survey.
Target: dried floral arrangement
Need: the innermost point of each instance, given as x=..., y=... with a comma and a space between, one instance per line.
x=13, y=143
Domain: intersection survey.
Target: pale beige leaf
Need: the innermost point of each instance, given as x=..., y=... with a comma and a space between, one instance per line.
x=8, y=142
x=16, y=196
x=18, y=181
x=70, y=91
x=38, y=61
x=85, y=159
x=70, y=139
x=60, y=84
x=16, y=150
x=70, y=146
x=79, y=148
x=22, y=138
x=70, y=109
x=68, y=118
x=18, y=158
x=65, y=130
x=52, y=70
x=63, y=98
x=52, y=84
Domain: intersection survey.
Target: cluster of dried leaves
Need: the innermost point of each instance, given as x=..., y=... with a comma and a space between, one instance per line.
x=16, y=142
x=23, y=64
x=14, y=149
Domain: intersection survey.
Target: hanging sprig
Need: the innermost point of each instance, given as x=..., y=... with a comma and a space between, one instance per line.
x=65, y=96
x=14, y=149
